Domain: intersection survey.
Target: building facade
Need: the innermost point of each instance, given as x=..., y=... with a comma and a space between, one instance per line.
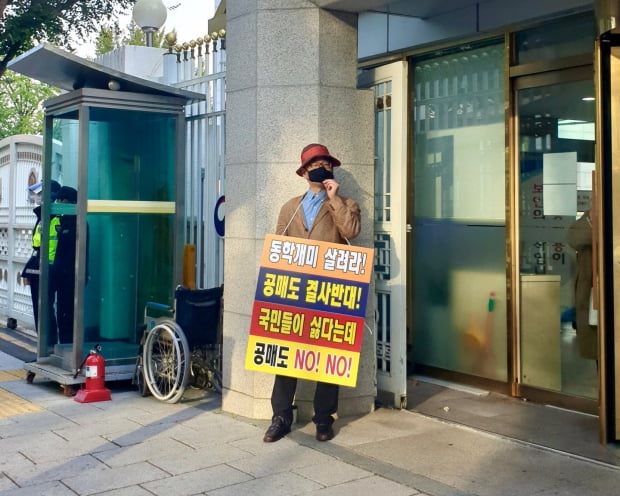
x=475, y=135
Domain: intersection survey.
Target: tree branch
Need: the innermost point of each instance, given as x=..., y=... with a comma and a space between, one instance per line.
x=28, y=22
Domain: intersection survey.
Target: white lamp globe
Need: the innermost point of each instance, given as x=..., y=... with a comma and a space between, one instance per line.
x=150, y=14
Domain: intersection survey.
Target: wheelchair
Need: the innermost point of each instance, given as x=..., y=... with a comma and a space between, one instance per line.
x=183, y=347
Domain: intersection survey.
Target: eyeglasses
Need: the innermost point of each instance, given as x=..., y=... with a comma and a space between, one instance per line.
x=319, y=163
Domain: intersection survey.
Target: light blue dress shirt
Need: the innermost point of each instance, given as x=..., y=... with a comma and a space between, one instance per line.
x=311, y=204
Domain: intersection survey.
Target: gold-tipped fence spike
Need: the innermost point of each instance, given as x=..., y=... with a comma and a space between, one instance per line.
x=171, y=38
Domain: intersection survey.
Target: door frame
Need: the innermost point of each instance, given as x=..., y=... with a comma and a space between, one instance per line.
x=607, y=181
x=519, y=82
x=392, y=383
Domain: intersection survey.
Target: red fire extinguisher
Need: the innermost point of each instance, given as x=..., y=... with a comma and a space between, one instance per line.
x=94, y=382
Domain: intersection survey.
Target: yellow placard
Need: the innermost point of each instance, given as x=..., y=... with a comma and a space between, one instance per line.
x=315, y=363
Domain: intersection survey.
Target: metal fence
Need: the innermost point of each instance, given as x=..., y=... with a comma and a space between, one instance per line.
x=200, y=67
x=21, y=157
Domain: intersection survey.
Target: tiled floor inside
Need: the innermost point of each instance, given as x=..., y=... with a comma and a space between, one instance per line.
x=566, y=431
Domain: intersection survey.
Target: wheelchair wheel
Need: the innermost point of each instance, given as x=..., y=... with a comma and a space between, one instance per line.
x=216, y=381
x=138, y=377
x=166, y=359
x=198, y=372
x=216, y=368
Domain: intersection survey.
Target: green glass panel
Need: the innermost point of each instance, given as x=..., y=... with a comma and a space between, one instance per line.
x=459, y=230
x=56, y=284
x=129, y=263
x=131, y=157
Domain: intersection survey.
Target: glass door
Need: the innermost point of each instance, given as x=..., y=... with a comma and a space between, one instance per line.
x=459, y=221
x=557, y=343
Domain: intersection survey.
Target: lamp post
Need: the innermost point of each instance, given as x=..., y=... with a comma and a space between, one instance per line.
x=150, y=16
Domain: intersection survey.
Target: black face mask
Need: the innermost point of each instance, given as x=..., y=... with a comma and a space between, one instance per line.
x=319, y=175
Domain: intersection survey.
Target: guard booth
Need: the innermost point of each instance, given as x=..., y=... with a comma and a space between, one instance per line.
x=119, y=141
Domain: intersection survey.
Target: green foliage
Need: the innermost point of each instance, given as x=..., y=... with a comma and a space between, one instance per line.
x=135, y=36
x=159, y=39
x=108, y=39
x=25, y=23
x=111, y=38
x=20, y=104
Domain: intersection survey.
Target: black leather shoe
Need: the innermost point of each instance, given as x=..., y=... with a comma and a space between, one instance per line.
x=277, y=430
x=324, y=432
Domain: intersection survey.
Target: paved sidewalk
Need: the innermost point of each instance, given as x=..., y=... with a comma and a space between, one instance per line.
x=7, y=362
x=140, y=446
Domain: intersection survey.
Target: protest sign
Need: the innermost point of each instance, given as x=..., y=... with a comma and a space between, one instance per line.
x=308, y=314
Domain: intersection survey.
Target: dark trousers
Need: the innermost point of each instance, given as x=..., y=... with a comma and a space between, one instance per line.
x=65, y=294
x=33, y=282
x=325, y=400
x=34, y=294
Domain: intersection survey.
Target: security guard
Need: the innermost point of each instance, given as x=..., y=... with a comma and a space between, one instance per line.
x=31, y=270
x=63, y=268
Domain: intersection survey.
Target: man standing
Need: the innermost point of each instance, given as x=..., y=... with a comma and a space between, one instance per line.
x=31, y=270
x=320, y=214
x=63, y=269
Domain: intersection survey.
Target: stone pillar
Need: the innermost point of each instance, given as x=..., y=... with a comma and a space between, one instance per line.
x=291, y=80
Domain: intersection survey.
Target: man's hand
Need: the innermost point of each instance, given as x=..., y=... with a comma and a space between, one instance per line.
x=331, y=187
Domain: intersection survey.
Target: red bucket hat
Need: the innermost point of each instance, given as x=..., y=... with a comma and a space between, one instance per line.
x=313, y=152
